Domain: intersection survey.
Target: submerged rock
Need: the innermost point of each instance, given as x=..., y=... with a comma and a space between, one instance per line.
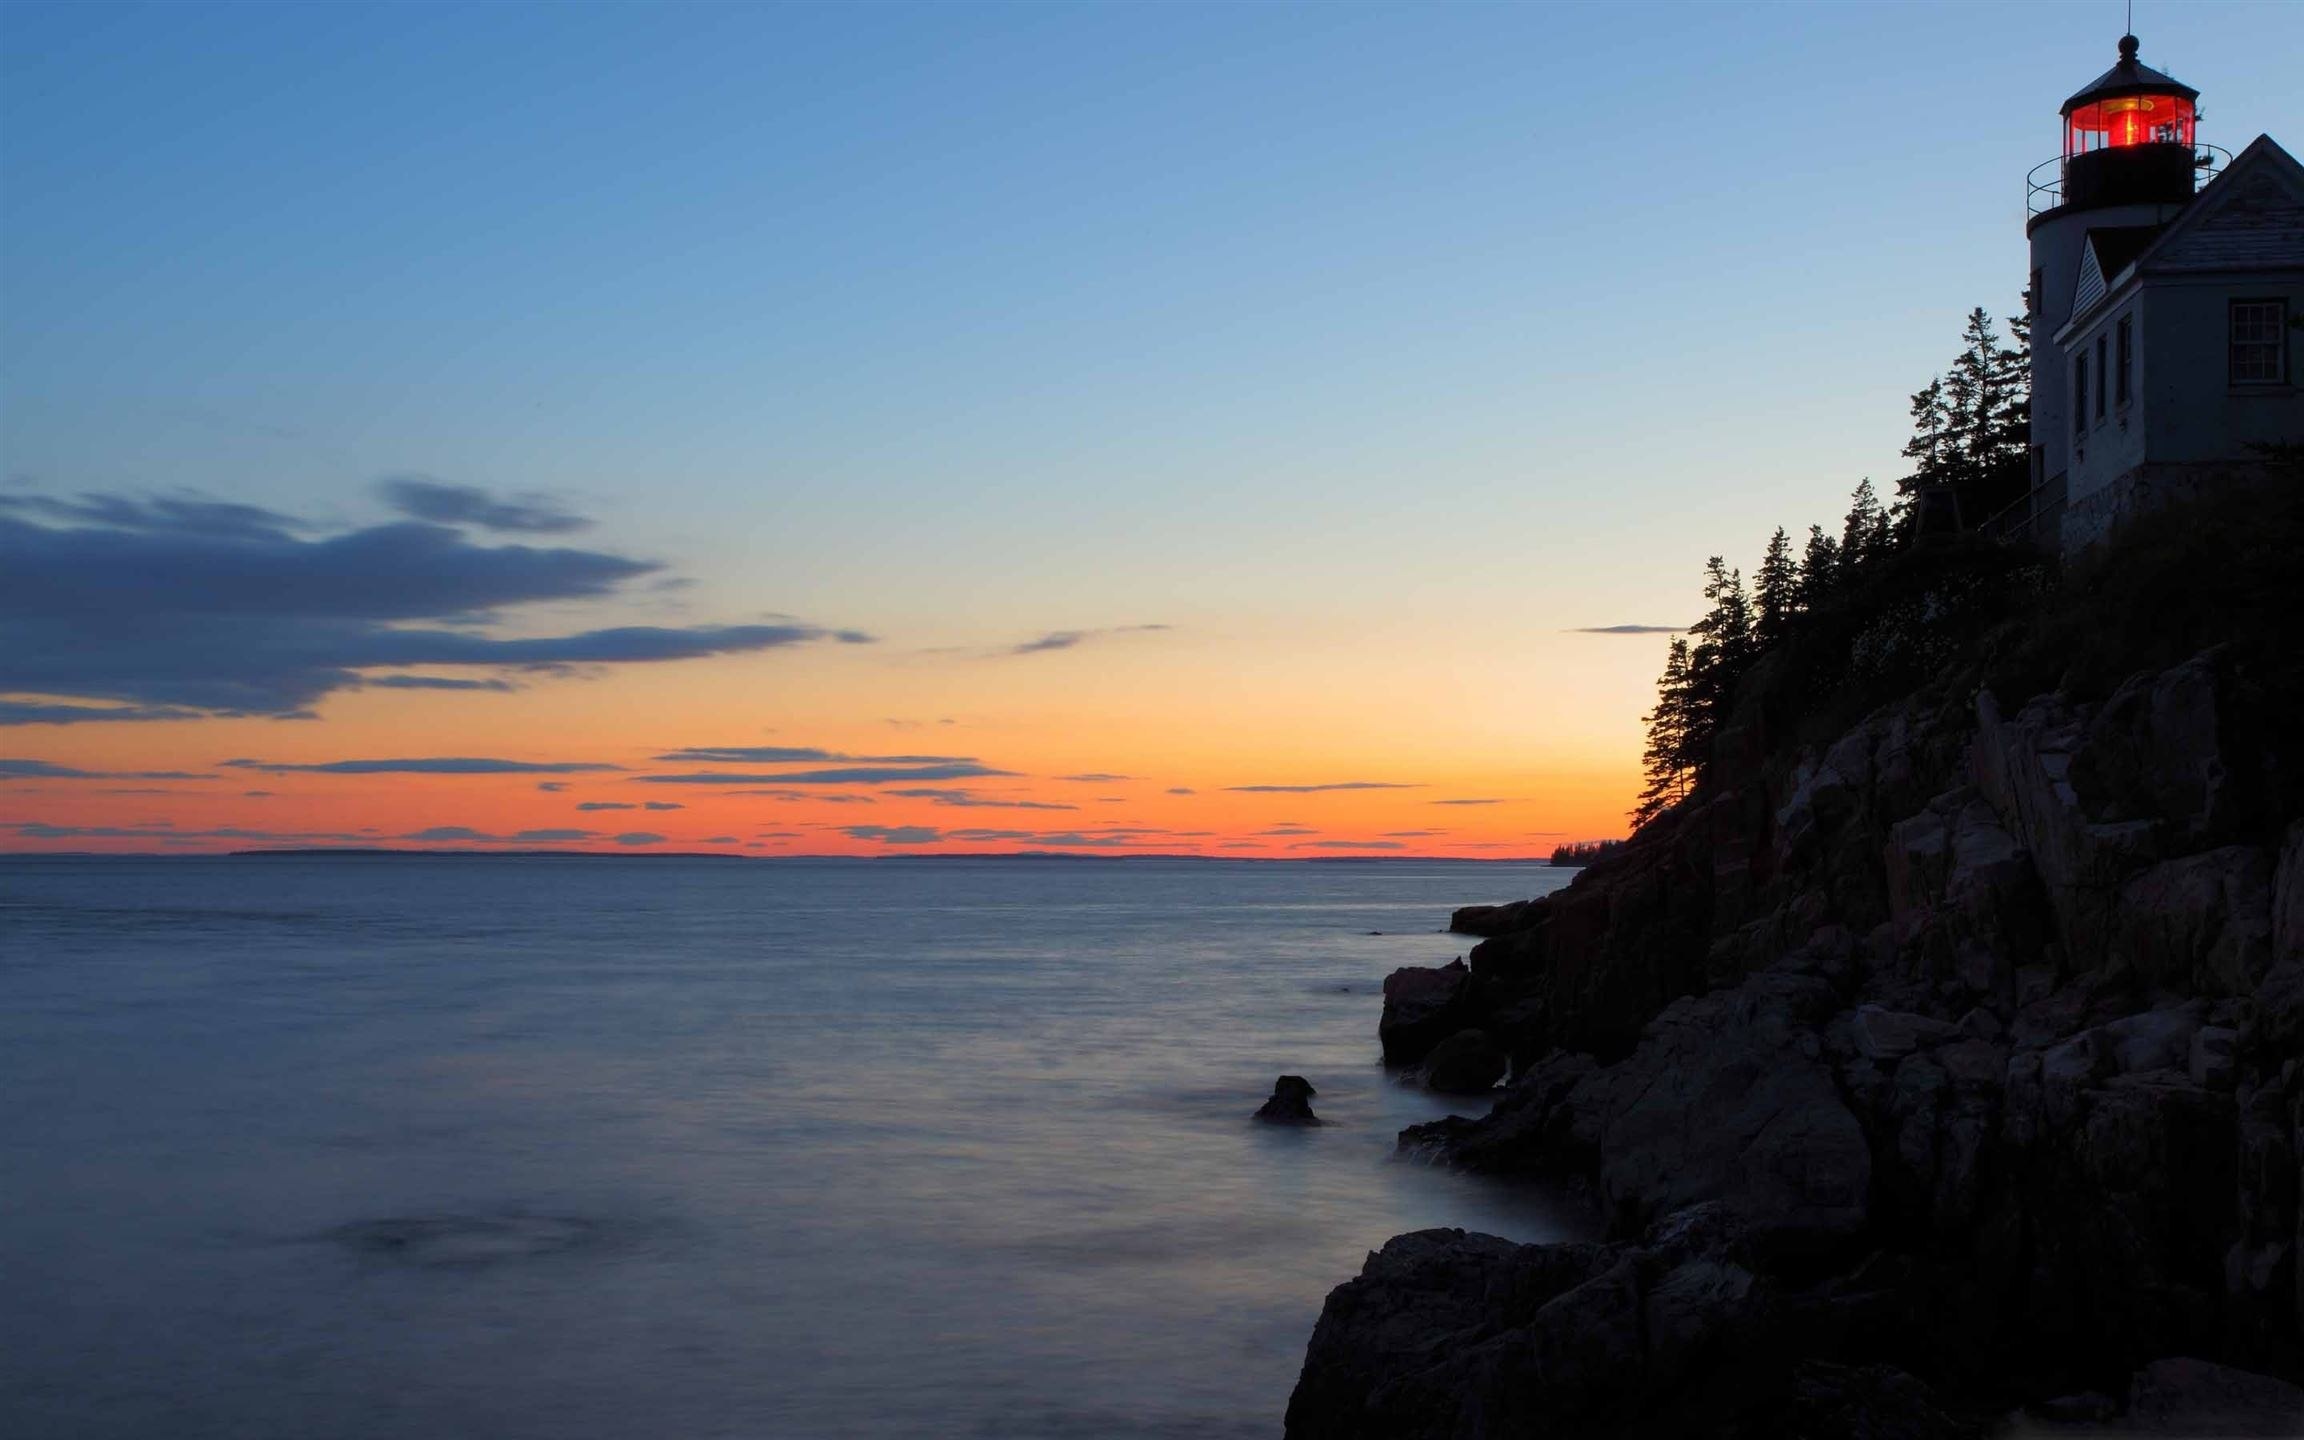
x=457, y=1242
x=1291, y=1103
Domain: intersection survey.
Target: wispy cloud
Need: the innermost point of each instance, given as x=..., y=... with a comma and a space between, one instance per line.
x=1071, y=639
x=1626, y=630
x=427, y=765
x=1349, y=845
x=1095, y=777
x=1112, y=839
x=434, y=682
x=795, y=754
x=1467, y=802
x=39, y=830
x=36, y=712
x=851, y=775
x=1182, y=790
x=425, y=498
x=1316, y=789
x=969, y=800
x=47, y=770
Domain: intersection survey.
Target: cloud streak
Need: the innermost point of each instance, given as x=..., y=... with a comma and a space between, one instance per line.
x=48, y=770
x=1318, y=789
x=1626, y=630
x=427, y=765
x=795, y=754
x=425, y=498
x=849, y=775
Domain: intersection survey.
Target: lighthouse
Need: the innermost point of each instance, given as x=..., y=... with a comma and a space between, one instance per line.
x=2166, y=290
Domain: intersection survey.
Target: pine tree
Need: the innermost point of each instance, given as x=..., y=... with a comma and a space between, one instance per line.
x=1722, y=650
x=1819, y=570
x=1866, y=535
x=1666, y=760
x=1776, y=590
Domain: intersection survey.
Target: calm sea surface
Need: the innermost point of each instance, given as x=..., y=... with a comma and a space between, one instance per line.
x=570, y=1148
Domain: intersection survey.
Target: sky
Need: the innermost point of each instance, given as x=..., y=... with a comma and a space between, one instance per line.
x=893, y=429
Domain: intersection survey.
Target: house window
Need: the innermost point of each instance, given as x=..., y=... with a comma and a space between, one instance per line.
x=2259, y=352
x=2127, y=351
x=2101, y=367
x=2080, y=393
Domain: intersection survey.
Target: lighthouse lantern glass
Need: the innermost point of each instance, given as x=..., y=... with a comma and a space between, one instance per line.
x=2128, y=120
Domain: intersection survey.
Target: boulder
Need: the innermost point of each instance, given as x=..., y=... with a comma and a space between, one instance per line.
x=1291, y=1102
x=2197, y=1397
x=1494, y=919
x=1422, y=1007
x=1466, y=1063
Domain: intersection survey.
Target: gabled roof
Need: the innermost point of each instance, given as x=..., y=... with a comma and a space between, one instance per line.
x=2116, y=245
x=2249, y=218
x=2130, y=77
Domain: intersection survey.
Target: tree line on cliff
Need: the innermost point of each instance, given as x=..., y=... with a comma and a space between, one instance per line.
x=1970, y=438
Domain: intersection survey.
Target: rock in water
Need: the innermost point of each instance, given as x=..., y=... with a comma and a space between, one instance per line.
x=1466, y=1063
x=1422, y=1007
x=1291, y=1102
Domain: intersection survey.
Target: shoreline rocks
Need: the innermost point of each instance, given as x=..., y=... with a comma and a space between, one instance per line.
x=1951, y=1066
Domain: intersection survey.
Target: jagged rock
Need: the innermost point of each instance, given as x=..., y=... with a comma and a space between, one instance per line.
x=1728, y=1098
x=2198, y=1397
x=1860, y=1402
x=1291, y=1103
x=1422, y=1007
x=1494, y=919
x=2201, y=923
x=1526, y=1132
x=1453, y=1336
x=1890, y=1035
x=1466, y=1063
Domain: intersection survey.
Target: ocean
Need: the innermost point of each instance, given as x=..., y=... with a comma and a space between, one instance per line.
x=564, y=1147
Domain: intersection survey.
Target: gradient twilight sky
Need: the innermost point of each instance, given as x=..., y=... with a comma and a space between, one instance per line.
x=1253, y=401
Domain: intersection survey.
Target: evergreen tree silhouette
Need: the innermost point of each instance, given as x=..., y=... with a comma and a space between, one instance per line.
x=1776, y=590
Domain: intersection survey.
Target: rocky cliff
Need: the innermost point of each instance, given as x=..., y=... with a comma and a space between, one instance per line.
x=1941, y=1066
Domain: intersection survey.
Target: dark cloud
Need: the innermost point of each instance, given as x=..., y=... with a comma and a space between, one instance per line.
x=25, y=712
x=1095, y=777
x=1182, y=790
x=1289, y=830
x=1067, y=639
x=966, y=799
x=424, y=498
x=854, y=775
x=1413, y=834
x=429, y=765
x=795, y=754
x=1467, y=802
x=553, y=836
x=1626, y=630
x=1315, y=789
x=662, y=805
x=168, y=606
x=607, y=805
x=46, y=770
x=894, y=834
x=552, y=787
x=1112, y=839
x=185, y=513
x=257, y=794
x=434, y=682
x=448, y=832
x=719, y=840
x=803, y=795
x=639, y=837
x=1349, y=845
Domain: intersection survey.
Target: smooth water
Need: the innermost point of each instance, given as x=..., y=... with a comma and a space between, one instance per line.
x=572, y=1148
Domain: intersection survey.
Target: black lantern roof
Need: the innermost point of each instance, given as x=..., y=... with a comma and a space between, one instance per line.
x=2129, y=77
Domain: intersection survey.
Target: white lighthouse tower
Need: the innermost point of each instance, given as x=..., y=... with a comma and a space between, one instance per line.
x=2129, y=166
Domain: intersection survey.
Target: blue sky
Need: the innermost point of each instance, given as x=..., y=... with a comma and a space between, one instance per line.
x=1349, y=342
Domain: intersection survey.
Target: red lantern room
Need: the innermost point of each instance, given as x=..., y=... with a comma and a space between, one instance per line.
x=2128, y=137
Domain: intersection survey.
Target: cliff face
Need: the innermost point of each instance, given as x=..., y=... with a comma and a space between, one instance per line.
x=1947, y=1064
